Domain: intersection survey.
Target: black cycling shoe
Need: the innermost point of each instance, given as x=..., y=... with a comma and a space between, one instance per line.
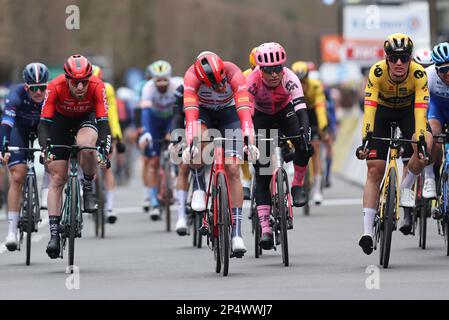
x=246, y=193
x=112, y=219
x=406, y=227
x=266, y=241
x=289, y=223
x=299, y=196
x=53, y=247
x=366, y=242
x=89, y=198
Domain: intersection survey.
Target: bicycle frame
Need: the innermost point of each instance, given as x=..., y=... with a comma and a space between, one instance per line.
x=279, y=162
x=392, y=164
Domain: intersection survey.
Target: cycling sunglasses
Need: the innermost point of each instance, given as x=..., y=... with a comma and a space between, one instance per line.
x=36, y=87
x=74, y=82
x=405, y=57
x=271, y=69
x=442, y=69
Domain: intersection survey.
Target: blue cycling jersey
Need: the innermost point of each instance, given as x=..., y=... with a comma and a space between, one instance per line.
x=439, y=97
x=20, y=112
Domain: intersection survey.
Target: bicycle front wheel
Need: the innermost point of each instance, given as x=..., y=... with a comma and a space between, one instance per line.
x=282, y=185
x=307, y=192
x=389, y=215
x=74, y=189
x=29, y=216
x=423, y=222
x=223, y=222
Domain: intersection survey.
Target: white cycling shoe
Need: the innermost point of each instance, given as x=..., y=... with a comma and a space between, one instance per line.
x=429, y=189
x=317, y=197
x=44, y=198
x=181, y=226
x=407, y=198
x=237, y=245
x=11, y=242
x=199, y=200
x=155, y=213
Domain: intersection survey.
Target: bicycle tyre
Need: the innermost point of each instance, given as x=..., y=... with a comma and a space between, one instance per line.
x=199, y=236
x=423, y=223
x=101, y=212
x=193, y=225
x=307, y=192
x=446, y=236
x=280, y=181
x=167, y=195
x=223, y=222
x=72, y=220
x=389, y=214
x=30, y=216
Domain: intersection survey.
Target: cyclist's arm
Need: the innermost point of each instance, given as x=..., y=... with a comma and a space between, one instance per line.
x=370, y=103
x=47, y=114
x=421, y=102
x=114, y=123
x=8, y=118
x=178, y=111
x=320, y=107
x=101, y=114
x=293, y=85
x=241, y=97
x=191, y=104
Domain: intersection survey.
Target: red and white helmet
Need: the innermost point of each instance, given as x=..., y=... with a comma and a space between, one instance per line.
x=270, y=54
x=209, y=69
x=77, y=67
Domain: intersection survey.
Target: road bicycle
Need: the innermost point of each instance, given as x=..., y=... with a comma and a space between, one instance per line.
x=387, y=216
x=29, y=214
x=217, y=218
x=71, y=223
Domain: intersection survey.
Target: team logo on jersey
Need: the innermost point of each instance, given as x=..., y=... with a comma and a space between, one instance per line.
x=402, y=90
x=378, y=71
x=290, y=85
x=243, y=100
x=391, y=88
x=253, y=89
x=419, y=74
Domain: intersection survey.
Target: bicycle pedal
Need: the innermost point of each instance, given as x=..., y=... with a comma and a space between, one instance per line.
x=204, y=230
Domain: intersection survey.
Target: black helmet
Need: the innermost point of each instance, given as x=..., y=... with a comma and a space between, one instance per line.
x=35, y=73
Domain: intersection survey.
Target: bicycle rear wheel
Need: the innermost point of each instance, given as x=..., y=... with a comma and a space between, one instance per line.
x=281, y=218
x=389, y=215
x=72, y=220
x=29, y=216
x=223, y=222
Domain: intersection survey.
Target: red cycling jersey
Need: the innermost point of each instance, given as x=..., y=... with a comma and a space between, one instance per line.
x=198, y=95
x=58, y=98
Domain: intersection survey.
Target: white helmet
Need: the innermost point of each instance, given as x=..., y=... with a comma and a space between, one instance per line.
x=423, y=57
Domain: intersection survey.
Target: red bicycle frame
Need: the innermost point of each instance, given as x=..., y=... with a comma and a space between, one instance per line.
x=216, y=168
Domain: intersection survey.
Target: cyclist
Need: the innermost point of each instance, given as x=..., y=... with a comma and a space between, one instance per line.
x=279, y=103
x=20, y=118
x=246, y=177
x=438, y=115
x=158, y=98
x=423, y=57
x=75, y=109
x=396, y=91
x=215, y=93
x=316, y=109
x=116, y=131
x=182, y=183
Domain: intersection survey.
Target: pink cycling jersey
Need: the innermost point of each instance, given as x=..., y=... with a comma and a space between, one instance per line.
x=272, y=100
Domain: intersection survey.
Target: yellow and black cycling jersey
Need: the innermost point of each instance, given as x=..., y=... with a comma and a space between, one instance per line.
x=247, y=72
x=113, y=118
x=382, y=90
x=316, y=100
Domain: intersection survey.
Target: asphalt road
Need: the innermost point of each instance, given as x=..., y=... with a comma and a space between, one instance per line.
x=139, y=260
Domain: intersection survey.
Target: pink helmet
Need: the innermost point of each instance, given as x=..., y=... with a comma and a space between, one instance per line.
x=270, y=54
